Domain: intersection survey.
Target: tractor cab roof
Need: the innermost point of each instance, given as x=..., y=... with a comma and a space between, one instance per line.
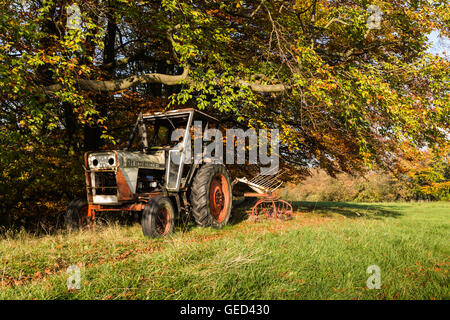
x=180, y=113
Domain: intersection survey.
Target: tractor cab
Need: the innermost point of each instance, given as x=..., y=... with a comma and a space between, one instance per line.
x=172, y=132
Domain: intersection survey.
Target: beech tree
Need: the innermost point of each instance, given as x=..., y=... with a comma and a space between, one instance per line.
x=349, y=84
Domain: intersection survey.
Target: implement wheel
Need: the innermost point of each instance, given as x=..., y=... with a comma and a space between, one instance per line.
x=76, y=215
x=211, y=196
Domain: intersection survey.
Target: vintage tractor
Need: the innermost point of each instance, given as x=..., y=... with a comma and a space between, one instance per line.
x=144, y=177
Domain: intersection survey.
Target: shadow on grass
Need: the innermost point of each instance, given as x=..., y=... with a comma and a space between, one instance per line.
x=347, y=209
x=326, y=209
x=240, y=213
x=241, y=209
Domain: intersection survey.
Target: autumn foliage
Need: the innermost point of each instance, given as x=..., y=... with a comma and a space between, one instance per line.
x=347, y=97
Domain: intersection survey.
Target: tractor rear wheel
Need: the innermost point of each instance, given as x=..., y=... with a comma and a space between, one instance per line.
x=76, y=215
x=211, y=196
x=158, y=217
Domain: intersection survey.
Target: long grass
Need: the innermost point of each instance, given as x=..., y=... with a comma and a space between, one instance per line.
x=323, y=253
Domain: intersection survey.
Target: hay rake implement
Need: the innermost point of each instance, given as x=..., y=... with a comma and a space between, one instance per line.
x=269, y=205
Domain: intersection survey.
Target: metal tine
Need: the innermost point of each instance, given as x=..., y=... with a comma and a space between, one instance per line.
x=269, y=173
x=275, y=183
x=258, y=181
x=263, y=182
x=269, y=180
x=274, y=177
x=260, y=177
x=267, y=185
x=257, y=178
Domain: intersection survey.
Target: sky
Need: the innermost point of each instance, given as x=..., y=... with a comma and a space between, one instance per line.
x=440, y=45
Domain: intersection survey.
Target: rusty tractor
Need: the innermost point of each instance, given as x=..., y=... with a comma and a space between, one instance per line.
x=151, y=175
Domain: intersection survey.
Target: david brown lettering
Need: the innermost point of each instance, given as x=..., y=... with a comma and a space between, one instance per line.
x=137, y=163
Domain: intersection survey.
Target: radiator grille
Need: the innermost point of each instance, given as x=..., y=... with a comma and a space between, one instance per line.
x=105, y=183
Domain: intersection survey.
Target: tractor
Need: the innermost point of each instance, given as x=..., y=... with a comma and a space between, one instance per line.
x=155, y=176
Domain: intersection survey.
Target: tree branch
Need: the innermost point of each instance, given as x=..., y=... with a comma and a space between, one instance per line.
x=121, y=84
x=264, y=87
x=168, y=80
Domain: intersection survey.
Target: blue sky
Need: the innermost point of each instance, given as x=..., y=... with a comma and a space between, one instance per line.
x=439, y=44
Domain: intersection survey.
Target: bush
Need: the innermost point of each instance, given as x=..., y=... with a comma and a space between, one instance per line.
x=373, y=187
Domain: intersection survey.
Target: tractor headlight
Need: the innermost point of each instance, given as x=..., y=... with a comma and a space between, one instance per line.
x=101, y=160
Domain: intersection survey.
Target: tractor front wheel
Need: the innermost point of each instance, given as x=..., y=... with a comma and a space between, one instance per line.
x=76, y=215
x=158, y=217
x=211, y=196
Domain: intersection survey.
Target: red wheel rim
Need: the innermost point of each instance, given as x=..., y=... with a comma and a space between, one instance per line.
x=219, y=197
x=163, y=221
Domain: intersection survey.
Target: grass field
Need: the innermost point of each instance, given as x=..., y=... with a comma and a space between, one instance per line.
x=323, y=253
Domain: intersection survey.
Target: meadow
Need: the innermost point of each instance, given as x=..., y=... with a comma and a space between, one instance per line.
x=323, y=253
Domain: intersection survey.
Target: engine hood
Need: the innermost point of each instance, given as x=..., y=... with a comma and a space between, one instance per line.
x=125, y=159
x=126, y=164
